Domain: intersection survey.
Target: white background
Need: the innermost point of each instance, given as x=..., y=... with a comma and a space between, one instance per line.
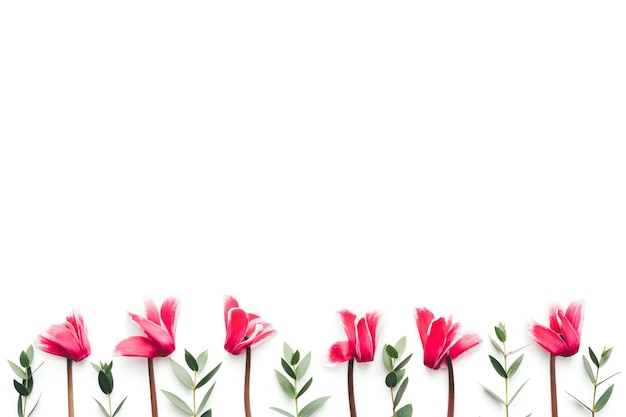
x=307, y=157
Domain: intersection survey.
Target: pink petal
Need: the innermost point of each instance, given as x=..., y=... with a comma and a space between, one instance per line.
x=548, y=339
x=574, y=314
x=229, y=304
x=138, y=346
x=152, y=312
x=236, y=327
x=423, y=318
x=434, y=342
x=463, y=344
x=365, y=345
x=168, y=315
x=571, y=337
x=348, y=319
x=340, y=352
x=154, y=331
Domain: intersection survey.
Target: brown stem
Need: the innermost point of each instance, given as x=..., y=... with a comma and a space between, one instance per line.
x=450, y=387
x=555, y=411
x=351, y=388
x=153, y=397
x=70, y=389
x=246, y=384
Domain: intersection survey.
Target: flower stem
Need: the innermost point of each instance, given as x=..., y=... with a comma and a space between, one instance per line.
x=555, y=412
x=70, y=389
x=450, y=387
x=246, y=384
x=351, y=388
x=153, y=398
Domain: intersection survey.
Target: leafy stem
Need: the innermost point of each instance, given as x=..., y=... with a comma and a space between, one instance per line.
x=594, y=377
x=294, y=368
x=25, y=382
x=395, y=378
x=105, y=380
x=505, y=369
x=190, y=380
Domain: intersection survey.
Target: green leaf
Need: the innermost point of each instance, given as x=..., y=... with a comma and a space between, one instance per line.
x=208, y=376
x=514, y=366
x=119, y=407
x=295, y=358
x=191, y=361
x=286, y=385
x=500, y=332
x=494, y=395
x=20, y=411
x=391, y=351
x=208, y=413
x=405, y=411
x=30, y=351
x=400, y=374
x=17, y=370
x=608, y=377
x=400, y=392
x=498, y=367
x=590, y=373
x=580, y=402
x=20, y=388
x=303, y=366
x=604, y=398
x=283, y=412
x=106, y=382
x=517, y=392
x=387, y=360
x=182, y=374
x=594, y=358
x=497, y=346
x=104, y=410
x=178, y=402
x=202, y=359
x=391, y=379
x=606, y=354
x=34, y=406
x=312, y=407
x=205, y=399
x=24, y=359
x=401, y=345
x=287, y=350
x=288, y=370
x=403, y=363
x=305, y=387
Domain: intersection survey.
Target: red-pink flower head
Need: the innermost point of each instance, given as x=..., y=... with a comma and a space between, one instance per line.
x=362, y=338
x=160, y=331
x=442, y=338
x=243, y=329
x=562, y=338
x=68, y=339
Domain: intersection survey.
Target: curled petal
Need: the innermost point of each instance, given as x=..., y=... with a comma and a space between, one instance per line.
x=548, y=339
x=138, y=346
x=463, y=344
x=340, y=352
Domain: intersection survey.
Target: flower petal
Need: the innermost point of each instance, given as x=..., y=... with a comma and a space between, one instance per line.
x=463, y=344
x=365, y=345
x=236, y=327
x=433, y=354
x=548, y=339
x=423, y=317
x=348, y=319
x=156, y=332
x=168, y=315
x=138, y=346
x=340, y=352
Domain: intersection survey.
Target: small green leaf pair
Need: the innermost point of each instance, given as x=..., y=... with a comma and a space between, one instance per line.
x=105, y=380
x=597, y=405
x=395, y=379
x=503, y=369
x=190, y=381
x=24, y=387
x=296, y=367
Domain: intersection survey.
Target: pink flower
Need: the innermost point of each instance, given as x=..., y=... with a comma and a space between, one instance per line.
x=562, y=338
x=160, y=332
x=68, y=339
x=362, y=338
x=243, y=329
x=442, y=338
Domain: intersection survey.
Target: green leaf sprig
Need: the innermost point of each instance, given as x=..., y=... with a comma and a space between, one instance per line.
x=395, y=379
x=504, y=369
x=25, y=382
x=105, y=380
x=594, y=377
x=295, y=367
x=193, y=382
